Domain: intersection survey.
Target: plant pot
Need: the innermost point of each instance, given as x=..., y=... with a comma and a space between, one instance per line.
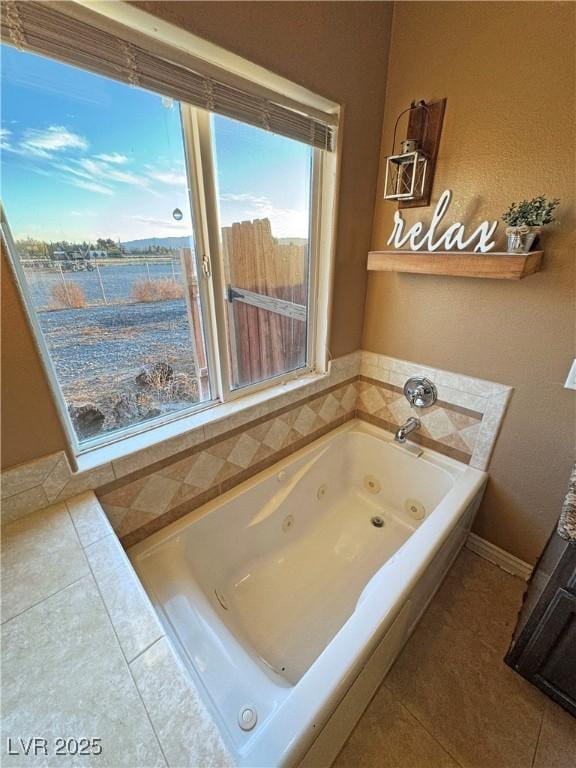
x=521, y=239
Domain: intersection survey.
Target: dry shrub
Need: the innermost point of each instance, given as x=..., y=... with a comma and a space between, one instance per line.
x=156, y=290
x=169, y=289
x=68, y=295
x=143, y=290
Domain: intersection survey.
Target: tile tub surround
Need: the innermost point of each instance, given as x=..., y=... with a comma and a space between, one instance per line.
x=88, y=638
x=37, y=484
x=463, y=424
x=449, y=429
x=155, y=497
x=149, y=488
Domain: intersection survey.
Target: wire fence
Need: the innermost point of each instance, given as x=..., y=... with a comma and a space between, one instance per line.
x=97, y=283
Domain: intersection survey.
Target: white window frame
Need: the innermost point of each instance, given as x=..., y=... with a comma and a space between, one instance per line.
x=198, y=133
x=197, y=138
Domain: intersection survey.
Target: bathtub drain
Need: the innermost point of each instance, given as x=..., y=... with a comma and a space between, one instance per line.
x=377, y=522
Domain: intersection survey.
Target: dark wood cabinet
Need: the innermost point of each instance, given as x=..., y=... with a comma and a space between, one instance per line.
x=543, y=648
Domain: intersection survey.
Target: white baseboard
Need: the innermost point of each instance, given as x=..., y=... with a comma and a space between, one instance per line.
x=499, y=557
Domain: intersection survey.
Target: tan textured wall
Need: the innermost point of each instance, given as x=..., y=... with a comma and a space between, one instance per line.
x=338, y=50
x=30, y=424
x=507, y=70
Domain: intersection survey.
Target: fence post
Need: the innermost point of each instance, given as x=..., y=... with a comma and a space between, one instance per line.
x=65, y=285
x=101, y=283
x=194, y=320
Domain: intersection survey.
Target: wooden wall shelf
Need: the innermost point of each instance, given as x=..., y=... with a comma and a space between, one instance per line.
x=499, y=266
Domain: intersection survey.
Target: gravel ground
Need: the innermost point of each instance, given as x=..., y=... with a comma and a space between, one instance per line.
x=99, y=349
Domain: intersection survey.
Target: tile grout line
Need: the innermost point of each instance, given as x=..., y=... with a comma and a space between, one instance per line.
x=477, y=638
x=96, y=541
x=29, y=488
x=127, y=663
x=122, y=653
x=48, y=597
x=399, y=702
x=83, y=546
x=432, y=736
x=140, y=653
x=83, y=553
x=421, y=724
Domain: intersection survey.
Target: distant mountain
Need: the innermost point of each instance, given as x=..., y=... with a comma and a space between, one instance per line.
x=162, y=242
x=186, y=242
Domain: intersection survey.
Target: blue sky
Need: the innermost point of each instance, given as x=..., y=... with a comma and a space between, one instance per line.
x=85, y=157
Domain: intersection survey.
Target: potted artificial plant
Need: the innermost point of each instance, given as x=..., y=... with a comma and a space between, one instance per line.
x=525, y=221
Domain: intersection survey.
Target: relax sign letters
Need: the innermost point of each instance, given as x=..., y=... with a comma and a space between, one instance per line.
x=453, y=237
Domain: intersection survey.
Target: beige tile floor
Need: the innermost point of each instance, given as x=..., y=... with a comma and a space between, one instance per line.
x=450, y=701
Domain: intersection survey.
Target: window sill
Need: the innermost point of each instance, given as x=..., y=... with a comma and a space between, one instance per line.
x=191, y=430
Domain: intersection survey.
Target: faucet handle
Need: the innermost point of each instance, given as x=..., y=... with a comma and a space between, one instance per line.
x=420, y=392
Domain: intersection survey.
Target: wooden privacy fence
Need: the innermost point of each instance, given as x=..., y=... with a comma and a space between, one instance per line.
x=267, y=283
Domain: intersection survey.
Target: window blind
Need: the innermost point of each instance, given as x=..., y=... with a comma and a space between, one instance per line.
x=49, y=29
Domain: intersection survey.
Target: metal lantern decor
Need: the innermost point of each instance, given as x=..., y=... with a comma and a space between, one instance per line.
x=406, y=171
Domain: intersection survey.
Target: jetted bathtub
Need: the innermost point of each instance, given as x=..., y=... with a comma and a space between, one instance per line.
x=290, y=596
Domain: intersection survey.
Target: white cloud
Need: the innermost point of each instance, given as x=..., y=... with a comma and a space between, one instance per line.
x=244, y=197
x=169, y=177
x=100, y=173
x=126, y=178
x=162, y=225
x=74, y=171
x=92, y=187
x=93, y=167
x=114, y=157
x=53, y=139
x=43, y=144
x=5, y=138
x=40, y=171
x=101, y=170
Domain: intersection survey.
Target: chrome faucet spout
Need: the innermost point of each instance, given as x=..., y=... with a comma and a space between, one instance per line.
x=409, y=426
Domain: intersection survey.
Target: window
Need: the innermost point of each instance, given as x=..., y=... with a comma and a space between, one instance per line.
x=96, y=195
x=264, y=209
x=167, y=255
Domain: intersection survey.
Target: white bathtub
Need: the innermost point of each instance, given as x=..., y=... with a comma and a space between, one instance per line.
x=284, y=599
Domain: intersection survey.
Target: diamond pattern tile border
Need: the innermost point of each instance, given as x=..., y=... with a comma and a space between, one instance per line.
x=138, y=506
x=215, y=466
x=448, y=429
